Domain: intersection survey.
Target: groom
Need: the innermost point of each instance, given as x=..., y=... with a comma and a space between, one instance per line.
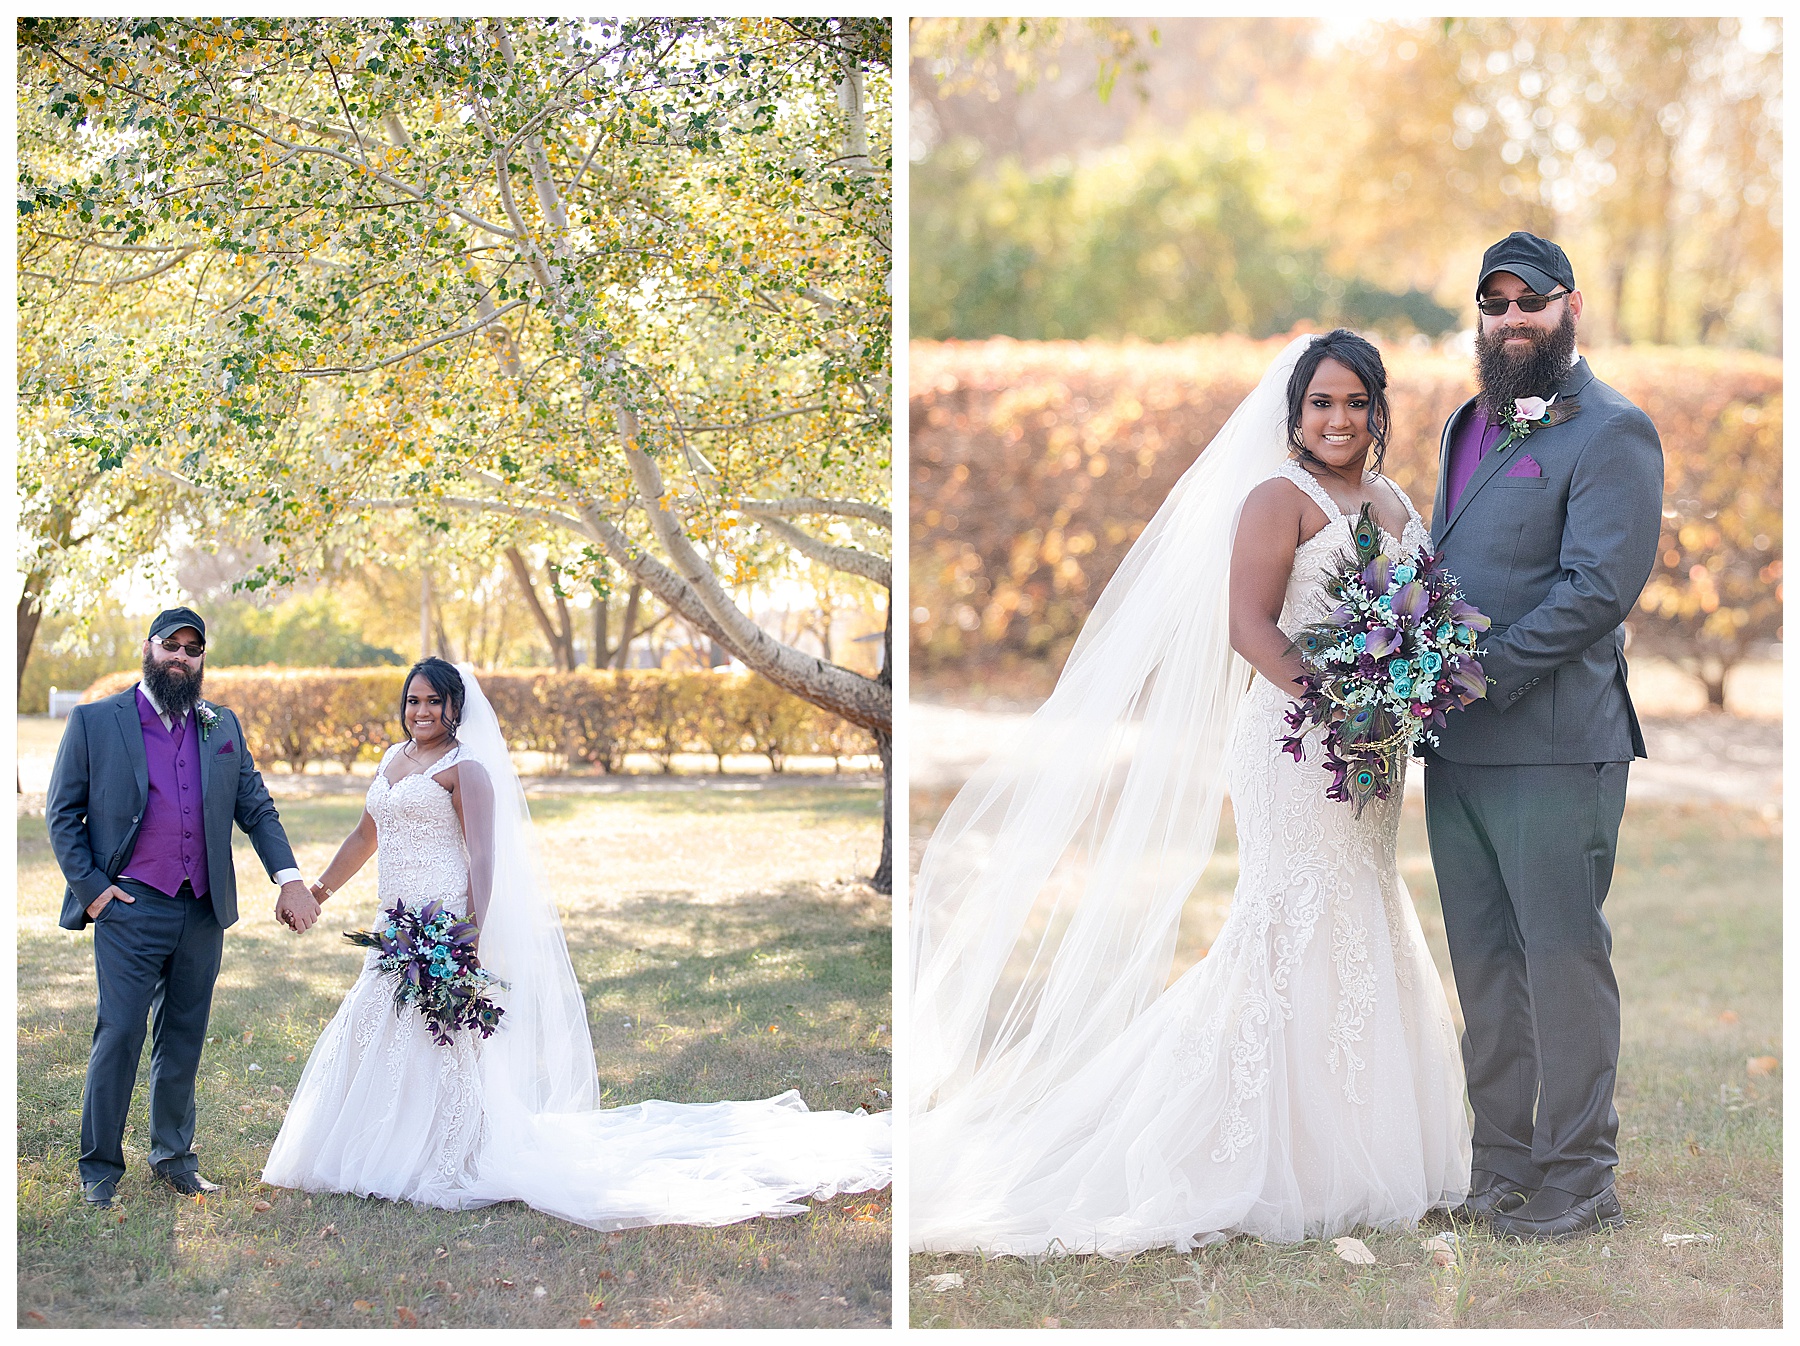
x=1552, y=534
x=142, y=798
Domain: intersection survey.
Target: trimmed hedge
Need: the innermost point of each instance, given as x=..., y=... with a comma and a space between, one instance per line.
x=1035, y=465
x=591, y=716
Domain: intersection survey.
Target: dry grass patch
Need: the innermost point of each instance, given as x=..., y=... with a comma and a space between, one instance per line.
x=729, y=928
x=1696, y=915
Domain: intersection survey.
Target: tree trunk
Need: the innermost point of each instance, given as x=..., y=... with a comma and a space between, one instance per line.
x=559, y=635
x=628, y=631
x=598, y=658
x=883, y=880
x=30, y=614
x=424, y=612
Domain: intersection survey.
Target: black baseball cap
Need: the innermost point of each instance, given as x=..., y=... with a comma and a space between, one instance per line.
x=1536, y=261
x=173, y=619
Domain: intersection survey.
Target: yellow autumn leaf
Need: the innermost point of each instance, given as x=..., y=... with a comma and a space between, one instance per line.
x=1353, y=1251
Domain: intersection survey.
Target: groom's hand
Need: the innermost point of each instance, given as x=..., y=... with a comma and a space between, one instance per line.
x=295, y=907
x=114, y=893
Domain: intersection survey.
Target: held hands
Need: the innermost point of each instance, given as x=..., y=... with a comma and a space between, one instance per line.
x=114, y=893
x=296, y=908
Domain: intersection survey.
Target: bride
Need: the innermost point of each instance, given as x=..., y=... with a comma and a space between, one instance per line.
x=1303, y=1078
x=382, y=1110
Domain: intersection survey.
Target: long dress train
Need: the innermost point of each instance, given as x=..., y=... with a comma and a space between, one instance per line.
x=1302, y=1079
x=381, y=1110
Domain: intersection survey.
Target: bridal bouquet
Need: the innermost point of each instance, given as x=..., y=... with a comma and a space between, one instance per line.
x=430, y=955
x=1383, y=669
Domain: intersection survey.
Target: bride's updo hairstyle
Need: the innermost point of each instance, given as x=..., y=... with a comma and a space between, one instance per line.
x=1362, y=359
x=445, y=681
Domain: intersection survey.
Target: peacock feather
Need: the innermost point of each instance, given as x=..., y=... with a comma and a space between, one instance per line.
x=1368, y=538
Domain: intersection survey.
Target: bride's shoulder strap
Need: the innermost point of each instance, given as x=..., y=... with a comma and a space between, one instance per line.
x=449, y=759
x=1292, y=471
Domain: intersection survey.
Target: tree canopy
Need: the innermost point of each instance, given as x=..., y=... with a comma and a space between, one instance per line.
x=623, y=284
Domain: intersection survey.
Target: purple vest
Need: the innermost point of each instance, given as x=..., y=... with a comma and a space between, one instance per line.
x=1473, y=442
x=171, y=843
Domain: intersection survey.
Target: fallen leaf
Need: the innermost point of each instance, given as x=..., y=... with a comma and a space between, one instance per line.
x=1053, y=1322
x=584, y=1322
x=441, y=1253
x=1727, y=1016
x=362, y=1305
x=440, y=1285
x=35, y=1316
x=951, y=1280
x=631, y=1278
x=329, y=1231
x=288, y=1057
x=538, y=1292
x=1353, y=1251
x=1758, y=1066
x=537, y=1241
x=607, y=1276
x=260, y=1206
x=406, y=1315
x=1674, y=1240
x=1443, y=1254
x=249, y=1036
x=246, y=1107
x=504, y=1285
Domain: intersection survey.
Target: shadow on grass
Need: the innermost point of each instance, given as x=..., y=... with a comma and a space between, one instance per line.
x=1695, y=909
x=702, y=980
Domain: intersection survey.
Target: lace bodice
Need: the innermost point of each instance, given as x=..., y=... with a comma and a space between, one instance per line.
x=1306, y=600
x=420, y=841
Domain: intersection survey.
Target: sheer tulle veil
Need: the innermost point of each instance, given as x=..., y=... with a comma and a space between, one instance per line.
x=1047, y=904
x=545, y=1142
x=544, y=1060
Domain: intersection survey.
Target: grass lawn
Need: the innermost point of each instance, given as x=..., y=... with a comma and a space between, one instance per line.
x=1696, y=915
x=728, y=928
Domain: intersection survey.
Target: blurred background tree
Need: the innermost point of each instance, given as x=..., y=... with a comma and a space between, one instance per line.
x=1105, y=182
x=1129, y=178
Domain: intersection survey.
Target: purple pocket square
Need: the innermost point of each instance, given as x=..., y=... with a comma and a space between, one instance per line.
x=229, y=747
x=1527, y=466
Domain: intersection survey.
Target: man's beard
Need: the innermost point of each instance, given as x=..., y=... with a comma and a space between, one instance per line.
x=176, y=690
x=1538, y=372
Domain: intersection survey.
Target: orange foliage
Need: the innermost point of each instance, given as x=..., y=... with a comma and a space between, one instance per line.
x=1035, y=465
x=303, y=715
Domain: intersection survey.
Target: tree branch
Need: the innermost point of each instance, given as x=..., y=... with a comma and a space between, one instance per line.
x=470, y=330
x=812, y=504
x=850, y=560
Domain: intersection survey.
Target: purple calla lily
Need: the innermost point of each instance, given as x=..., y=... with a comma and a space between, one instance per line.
x=1383, y=641
x=1411, y=601
x=1470, y=616
x=1377, y=575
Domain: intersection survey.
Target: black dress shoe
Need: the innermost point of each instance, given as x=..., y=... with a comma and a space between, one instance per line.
x=98, y=1195
x=1554, y=1214
x=188, y=1184
x=1490, y=1194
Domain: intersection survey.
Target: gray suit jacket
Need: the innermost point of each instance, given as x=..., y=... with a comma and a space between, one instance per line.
x=1557, y=562
x=101, y=784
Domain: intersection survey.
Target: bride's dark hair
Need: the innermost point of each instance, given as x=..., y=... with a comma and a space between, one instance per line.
x=445, y=681
x=1362, y=359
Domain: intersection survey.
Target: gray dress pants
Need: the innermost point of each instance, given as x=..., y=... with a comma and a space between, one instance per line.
x=1524, y=858
x=155, y=959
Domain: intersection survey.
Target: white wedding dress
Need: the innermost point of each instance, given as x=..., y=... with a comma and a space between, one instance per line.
x=1301, y=1080
x=381, y=1110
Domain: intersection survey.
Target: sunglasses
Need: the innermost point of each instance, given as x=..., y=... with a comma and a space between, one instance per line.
x=1528, y=303
x=191, y=651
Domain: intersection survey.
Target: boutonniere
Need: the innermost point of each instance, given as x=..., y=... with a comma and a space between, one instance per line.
x=208, y=717
x=1531, y=412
